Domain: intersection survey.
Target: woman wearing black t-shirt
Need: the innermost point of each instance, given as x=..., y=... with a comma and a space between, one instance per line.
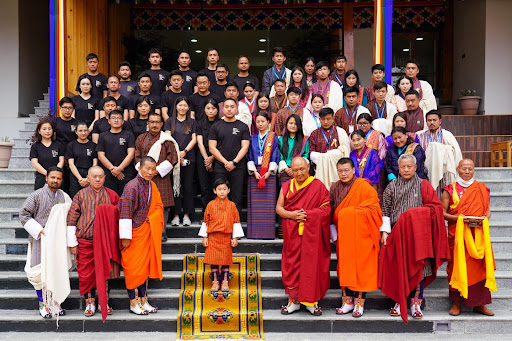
x=85, y=105
x=183, y=129
x=204, y=157
x=139, y=124
x=81, y=155
x=45, y=152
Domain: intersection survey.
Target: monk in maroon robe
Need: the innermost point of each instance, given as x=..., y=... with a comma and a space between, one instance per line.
x=304, y=205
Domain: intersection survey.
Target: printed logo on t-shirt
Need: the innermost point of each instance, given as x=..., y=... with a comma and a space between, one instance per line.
x=122, y=141
x=188, y=79
x=235, y=131
x=73, y=127
x=55, y=153
x=130, y=88
x=161, y=77
x=98, y=84
x=90, y=106
x=89, y=152
x=151, y=102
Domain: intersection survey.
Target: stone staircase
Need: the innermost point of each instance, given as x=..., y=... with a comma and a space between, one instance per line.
x=18, y=300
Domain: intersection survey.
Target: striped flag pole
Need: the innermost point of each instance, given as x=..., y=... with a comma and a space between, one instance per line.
x=382, y=35
x=57, y=89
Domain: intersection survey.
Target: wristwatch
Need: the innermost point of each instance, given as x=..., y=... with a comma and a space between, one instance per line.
x=235, y=163
x=185, y=150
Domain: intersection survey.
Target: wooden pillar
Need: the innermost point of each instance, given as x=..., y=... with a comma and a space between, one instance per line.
x=86, y=32
x=119, y=26
x=348, y=33
x=446, y=81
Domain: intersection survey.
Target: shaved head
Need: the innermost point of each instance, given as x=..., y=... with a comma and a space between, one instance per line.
x=466, y=169
x=299, y=161
x=300, y=169
x=96, y=177
x=95, y=170
x=466, y=161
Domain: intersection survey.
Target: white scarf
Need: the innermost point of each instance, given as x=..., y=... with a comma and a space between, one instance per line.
x=464, y=183
x=154, y=152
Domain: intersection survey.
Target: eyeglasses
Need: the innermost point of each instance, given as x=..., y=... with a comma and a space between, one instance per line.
x=116, y=118
x=66, y=108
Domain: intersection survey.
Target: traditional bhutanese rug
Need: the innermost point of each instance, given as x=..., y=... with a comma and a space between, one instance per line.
x=233, y=315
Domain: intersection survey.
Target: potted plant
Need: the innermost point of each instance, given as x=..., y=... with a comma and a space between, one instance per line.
x=5, y=151
x=447, y=109
x=469, y=102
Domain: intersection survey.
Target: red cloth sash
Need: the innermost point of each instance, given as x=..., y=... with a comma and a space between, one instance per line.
x=419, y=234
x=306, y=259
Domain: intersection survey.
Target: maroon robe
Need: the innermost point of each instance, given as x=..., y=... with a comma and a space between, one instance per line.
x=418, y=235
x=306, y=258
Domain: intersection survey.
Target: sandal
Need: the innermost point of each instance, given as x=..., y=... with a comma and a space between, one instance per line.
x=44, y=311
x=416, y=308
x=136, y=307
x=148, y=307
x=290, y=308
x=347, y=305
x=90, y=308
x=225, y=286
x=395, y=311
x=359, y=307
x=315, y=310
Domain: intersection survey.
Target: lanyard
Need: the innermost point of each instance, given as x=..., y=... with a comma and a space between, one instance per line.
x=317, y=121
x=278, y=76
x=351, y=116
x=338, y=78
x=438, y=138
x=380, y=114
x=330, y=136
x=277, y=104
x=262, y=142
x=368, y=133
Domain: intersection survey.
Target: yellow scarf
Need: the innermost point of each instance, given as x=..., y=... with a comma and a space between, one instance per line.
x=478, y=248
x=294, y=187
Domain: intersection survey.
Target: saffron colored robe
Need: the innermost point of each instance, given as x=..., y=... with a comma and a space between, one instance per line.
x=474, y=201
x=358, y=219
x=306, y=247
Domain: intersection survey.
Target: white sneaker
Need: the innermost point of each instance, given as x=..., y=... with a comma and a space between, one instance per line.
x=186, y=221
x=175, y=221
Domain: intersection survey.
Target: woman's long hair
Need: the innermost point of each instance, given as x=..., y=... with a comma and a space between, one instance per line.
x=140, y=100
x=403, y=131
x=304, y=89
x=349, y=73
x=261, y=95
x=311, y=59
x=37, y=137
x=174, y=117
x=299, y=137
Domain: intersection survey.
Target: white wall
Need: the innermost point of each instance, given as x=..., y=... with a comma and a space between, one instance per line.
x=469, y=55
x=498, y=56
x=363, y=54
x=9, y=42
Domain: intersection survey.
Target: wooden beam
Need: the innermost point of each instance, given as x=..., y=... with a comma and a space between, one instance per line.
x=348, y=33
x=447, y=55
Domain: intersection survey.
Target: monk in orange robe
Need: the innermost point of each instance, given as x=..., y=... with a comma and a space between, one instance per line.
x=140, y=229
x=471, y=268
x=306, y=211
x=357, y=220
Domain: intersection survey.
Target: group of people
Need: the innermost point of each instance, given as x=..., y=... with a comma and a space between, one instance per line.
x=305, y=130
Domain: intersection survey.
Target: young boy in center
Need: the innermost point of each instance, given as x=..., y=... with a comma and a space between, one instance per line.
x=220, y=230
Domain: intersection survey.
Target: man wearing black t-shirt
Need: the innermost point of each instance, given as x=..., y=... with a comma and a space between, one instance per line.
x=213, y=59
x=116, y=149
x=99, y=80
x=144, y=85
x=159, y=77
x=244, y=77
x=189, y=75
x=198, y=99
x=229, y=144
x=65, y=124
x=127, y=86
x=102, y=125
x=219, y=87
x=113, y=90
x=168, y=99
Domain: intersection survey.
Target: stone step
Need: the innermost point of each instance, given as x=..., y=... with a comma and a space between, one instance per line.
x=493, y=173
x=30, y=126
x=46, y=96
x=497, y=186
x=26, y=134
x=436, y=300
x=35, y=118
x=19, y=142
x=502, y=199
x=21, y=150
x=17, y=186
x=19, y=162
x=12, y=200
x=373, y=321
x=39, y=111
x=501, y=214
x=10, y=279
x=44, y=103
x=17, y=174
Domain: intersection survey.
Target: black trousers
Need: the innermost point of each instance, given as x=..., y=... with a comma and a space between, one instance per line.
x=185, y=202
x=115, y=184
x=206, y=180
x=40, y=181
x=74, y=185
x=236, y=181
